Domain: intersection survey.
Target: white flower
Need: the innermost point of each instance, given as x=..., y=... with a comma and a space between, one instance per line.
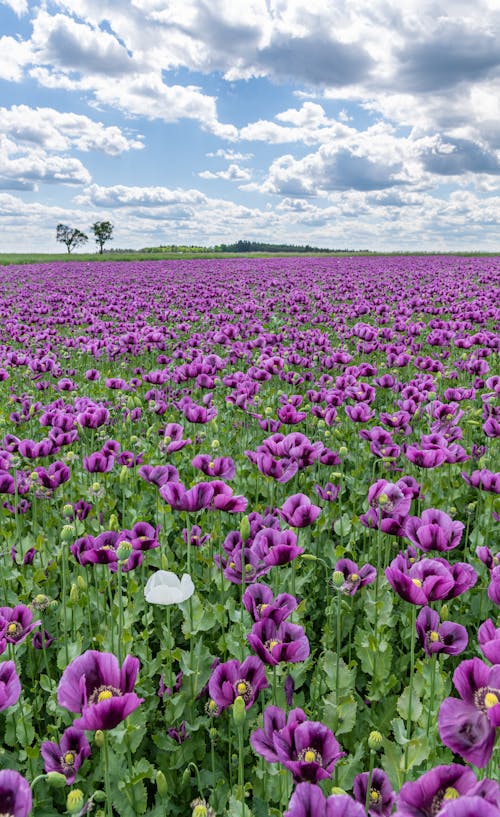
x=164, y=587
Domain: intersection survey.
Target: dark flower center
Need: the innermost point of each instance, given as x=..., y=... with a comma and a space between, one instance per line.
x=449, y=793
x=273, y=642
x=14, y=630
x=103, y=693
x=67, y=761
x=310, y=755
x=212, y=709
x=486, y=697
x=244, y=690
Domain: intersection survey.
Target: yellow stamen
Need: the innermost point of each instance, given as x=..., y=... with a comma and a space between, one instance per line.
x=490, y=699
x=241, y=688
x=105, y=695
x=433, y=636
x=451, y=794
x=310, y=756
x=374, y=796
x=417, y=582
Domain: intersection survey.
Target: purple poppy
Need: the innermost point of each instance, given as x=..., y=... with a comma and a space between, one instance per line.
x=67, y=756
x=381, y=797
x=276, y=546
x=309, y=750
x=196, y=539
x=355, y=577
x=159, y=474
x=448, y=637
x=142, y=536
x=275, y=720
x=329, y=493
x=10, y=685
x=19, y=623
x=425, y=457
x=225, y=500
x=484, y=479
x=468, y=725
x=308, y=800
x=298, y=511
x=220, y=467
x=435, y=790
x=180, y=498
x=423, y=581
x=434, y=530
x=103, y=549
x=15, y=794
x=488, y=637
x=98, y=462
x=42, y=640
x=275, y=643
x=232, y=679
x=95, y=686
x=260, y=603
x=494, y=586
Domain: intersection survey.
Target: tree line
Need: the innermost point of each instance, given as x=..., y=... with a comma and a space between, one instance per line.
x=72, y=237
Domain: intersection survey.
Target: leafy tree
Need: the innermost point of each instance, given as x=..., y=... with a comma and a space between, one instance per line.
x=70, y=236
x=103, y=231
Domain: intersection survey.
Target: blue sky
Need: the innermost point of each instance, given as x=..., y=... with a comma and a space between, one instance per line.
x=337, y=124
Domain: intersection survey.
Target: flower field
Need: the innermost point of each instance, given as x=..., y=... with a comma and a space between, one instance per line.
x=250, y=538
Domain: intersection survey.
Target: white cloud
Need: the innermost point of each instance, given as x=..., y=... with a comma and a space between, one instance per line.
x=25, y=168
x=233, y=173
x=19, y=7
x=14, y=56
x=56, y=131
x=123, y=196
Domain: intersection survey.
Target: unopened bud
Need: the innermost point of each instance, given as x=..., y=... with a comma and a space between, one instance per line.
x=239, y=712
x=161, y=783
x=338, y=578
x=337, y=790
x=375, y=740
x=99, y=796
x=123, y=551
x=444, y=612
x=82, y=584
x=56, y=780
x=99, y=738
x=74, y=801
x=123, y=477
x=73, y=593
x=68, y=510
x=215, y=444
x=113, y=522
x=245, y=528
x=68, y=533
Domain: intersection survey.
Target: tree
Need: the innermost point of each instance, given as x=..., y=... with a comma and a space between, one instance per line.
x=103, y=231
x=70, y=236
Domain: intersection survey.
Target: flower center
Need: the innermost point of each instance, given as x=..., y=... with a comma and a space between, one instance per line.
x=451, y=794
x=14, y=630
x=68, y=761
x=244, y=689
x=211, y=708
x=269, y=645
x=486, y=697
x=374, y=796
x=104, y=693
x=433, y=636
x=417, y=582
x=311, y=755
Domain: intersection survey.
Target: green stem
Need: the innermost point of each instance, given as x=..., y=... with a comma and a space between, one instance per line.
x=64, y=568
x=434, y=661
x=369, y=781
x=241, y=769
x=120, y=614
x=107, y=786
x=339, y=638
x=412, y=669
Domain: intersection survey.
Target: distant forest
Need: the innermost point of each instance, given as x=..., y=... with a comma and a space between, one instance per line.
x=243, y=247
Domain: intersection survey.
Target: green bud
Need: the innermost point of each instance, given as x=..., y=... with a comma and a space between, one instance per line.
x=245, y=528
x=161, y=783
x=56, y=780
x=99, y=738
x=164, y=562
x=113, y=522
x=82, y=584
x=123, y=476
x=99, y=796
x=96, y=486
x=124, y=550
x=68, y=533
x=215, y=444
x=67, y=510
x=309, y=557
x=343, y=450
x=337, y=790
x=375, y=741
x=73, y=594
x=338, y=578
x=239, y=712
x=444, y=612
x=75, y=801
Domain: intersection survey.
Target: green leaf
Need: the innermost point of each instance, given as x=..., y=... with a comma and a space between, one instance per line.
x=403, y=705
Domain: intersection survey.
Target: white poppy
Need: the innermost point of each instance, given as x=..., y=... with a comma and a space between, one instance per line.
x=164, y=587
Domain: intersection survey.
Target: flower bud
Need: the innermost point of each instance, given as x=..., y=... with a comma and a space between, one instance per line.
x=239, y=712
x=343, y=450
x=215, y=444
x=99, y=796
x=74, y=801
x=113, y=522
x=99, y=738
x=123, y=476
x=161, y=783
x=68, y=533
x=68, y=510
x=245, y=528
x=56, y=780
x=337, y=790
x=444, y=612
x=82, y=584
x=123, y=551
x=338, y=578
x=73, y=594
x=375, y=741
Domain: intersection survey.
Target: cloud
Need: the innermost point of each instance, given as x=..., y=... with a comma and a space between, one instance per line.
x=449, y=157
x=56, y=131
x=123, y=196
x=24, y=169
x=14, y=56
x=230, y=155
x=19, y=7
x=308, y=125
x=234, y=173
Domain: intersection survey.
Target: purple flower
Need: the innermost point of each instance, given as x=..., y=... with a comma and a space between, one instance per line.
x=467, y=725
x=232, y=679
x=299, y=512
x=274, y=643
x=42, y=640
x=426, y=457
x=196, y=538
x=15, y=794
x=98, y=462
x=421, y=582
x=95, y=686
x=494, y=586
x=275, y=720
x=381, y=798
x=448, y=637
x=308, y=800
x=434, y=530
x=329, y=493
x=220, y=467
x=309, y=750
x=289, y=687
x=484, y=479
x=489, y=641
x=224, y=500
x=67, y=756
x=10, y=685
x=355, y=577
x=436, y=790
x=180, y=498
x=159, y=474
x=19, y=623
x=260, y=603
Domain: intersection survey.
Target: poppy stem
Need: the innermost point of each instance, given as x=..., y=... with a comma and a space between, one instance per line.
x=410, y=687
x=369, y=782
x=64, y=567
x=434, y=661
x=120, y=614
x=339, y=638
x=107, y=786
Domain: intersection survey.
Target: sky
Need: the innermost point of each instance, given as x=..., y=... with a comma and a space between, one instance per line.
x=335, y=123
